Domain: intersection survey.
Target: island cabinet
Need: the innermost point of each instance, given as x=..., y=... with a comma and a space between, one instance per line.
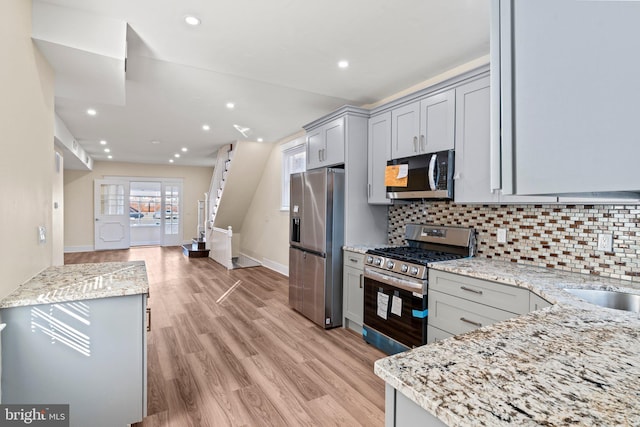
x=353, y=290
x=423, y=126
x=400, y=411
x=459, y=304
x=90, y=354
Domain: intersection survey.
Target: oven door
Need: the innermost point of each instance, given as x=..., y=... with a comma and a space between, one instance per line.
x=399, y=313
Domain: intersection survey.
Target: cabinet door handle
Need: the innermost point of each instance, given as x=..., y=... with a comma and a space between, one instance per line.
x=148, y=319
x=324, y=154
x=369, y=190
x=464, y=288
x=319, y=155
x=423, y=144
x=361, y=280
x=354, y=260
x=415, y=144
x=471, y=322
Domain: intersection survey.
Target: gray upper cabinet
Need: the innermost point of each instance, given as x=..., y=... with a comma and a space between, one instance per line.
x=437, y=122
x=325, y=145
x=565, y=92
x=473, y=140
x=423, y=126
x=379, y=151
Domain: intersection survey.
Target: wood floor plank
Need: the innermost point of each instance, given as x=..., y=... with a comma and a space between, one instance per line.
x=249, y=360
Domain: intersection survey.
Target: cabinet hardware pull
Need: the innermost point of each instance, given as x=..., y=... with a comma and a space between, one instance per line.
x=464, y=288
x=353, y=260
x=478, y=324
x=415, y=144
x=369, y=190
x=148, y=319
x=423, y=145
x=361, y=280
x=319, y=155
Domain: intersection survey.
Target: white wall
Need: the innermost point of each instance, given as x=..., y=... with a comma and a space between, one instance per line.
x=265, y=231
x=27, y=161
x=78, y=196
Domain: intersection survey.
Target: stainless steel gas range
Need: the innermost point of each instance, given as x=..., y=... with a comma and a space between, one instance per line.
x=396, y=284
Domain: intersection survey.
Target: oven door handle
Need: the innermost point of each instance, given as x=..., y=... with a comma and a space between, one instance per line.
x=416, y=286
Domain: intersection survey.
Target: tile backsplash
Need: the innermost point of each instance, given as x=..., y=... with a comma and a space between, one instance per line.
x=555, y=236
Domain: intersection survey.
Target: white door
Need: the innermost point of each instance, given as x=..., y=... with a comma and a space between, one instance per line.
x=171, y=219
x=111, y=214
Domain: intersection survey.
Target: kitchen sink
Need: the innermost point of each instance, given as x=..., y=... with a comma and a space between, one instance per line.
x=609, y=299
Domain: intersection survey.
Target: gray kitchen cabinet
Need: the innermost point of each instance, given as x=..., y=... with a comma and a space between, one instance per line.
x=423, y=126
x=90, y=354
x=325, y=144
x=459, y=304
x=379, y=152
x=434, y=334
x=536, y=302
x=347, y=127
x=400, y=411
x=565, y=98
x=353, y=290
x=472, y=178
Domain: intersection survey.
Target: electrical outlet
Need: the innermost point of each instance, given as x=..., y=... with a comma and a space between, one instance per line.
x=605, y=242
x=42, y=234
x=502, y=235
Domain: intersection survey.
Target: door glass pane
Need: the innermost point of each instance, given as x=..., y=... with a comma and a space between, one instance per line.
x=112, y=199
x=172, y=209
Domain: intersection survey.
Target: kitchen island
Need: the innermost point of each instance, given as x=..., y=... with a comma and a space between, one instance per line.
x=76, y=334
x=571, y=363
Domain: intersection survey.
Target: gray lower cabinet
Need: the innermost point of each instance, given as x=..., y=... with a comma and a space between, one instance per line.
x=459, y=304
x=353, y=290
x=400, y=411
x=89, y=354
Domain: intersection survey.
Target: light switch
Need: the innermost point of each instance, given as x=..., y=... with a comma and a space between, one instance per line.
x=42, y=234
x=502, y=235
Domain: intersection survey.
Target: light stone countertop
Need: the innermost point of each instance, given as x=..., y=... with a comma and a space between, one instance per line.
x=571, y=363
x=362, y=249
x=76, y=282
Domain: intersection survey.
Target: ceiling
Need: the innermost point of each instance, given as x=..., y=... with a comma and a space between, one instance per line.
x=275, y=60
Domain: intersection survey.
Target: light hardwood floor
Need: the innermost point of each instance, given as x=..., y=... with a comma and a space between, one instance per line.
x=226, y=349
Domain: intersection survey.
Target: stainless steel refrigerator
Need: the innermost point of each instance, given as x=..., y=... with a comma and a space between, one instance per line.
x=316, y=235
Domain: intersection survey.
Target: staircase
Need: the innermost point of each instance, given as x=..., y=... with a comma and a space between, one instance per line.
x=235, y=178
x=197, y=248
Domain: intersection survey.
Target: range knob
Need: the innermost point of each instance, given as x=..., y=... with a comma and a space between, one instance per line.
x=414, y=270
x=404, y=268
x=390, y=264
x=378, y=261
x=369, y=259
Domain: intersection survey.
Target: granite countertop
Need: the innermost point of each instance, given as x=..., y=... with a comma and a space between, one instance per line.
x=362, y=249
x=571, y=363
x=75, y=282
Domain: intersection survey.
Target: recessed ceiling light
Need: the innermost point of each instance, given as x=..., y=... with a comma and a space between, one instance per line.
x=206, y=127
x=184, y=149
x=109, y=156
x=91, y=112
x=343, y=64
x=107, y=150
x=260, y=139
x=191, y=20
x=176, y=155
x=103, y=142
x=170, y=160
x=155, y=141
x=230, y=105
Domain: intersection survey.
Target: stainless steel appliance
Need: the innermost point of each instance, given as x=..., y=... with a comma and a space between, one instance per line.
x=396, y=284
x=429, y=176
x=315, y=245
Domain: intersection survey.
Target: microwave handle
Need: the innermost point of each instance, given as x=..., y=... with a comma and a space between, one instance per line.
x=433, y=172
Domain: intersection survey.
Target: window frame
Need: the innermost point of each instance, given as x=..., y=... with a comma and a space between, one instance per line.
x=291, y=149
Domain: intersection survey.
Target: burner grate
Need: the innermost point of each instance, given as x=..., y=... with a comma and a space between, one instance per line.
x=414, y=255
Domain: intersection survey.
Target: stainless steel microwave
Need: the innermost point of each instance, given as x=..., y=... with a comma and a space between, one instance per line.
x=426, y=176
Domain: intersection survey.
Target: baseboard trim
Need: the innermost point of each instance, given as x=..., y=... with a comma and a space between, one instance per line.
x=277, y=267
x=72, y=249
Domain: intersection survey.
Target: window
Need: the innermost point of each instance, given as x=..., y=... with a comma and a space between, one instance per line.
x=294, y=160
